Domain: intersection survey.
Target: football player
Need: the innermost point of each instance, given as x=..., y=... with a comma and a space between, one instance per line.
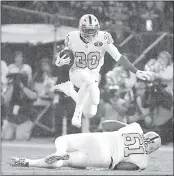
x=126, y=148
x=89, y=46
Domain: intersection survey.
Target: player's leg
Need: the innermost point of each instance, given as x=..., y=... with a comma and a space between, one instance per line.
x=51, y=161
x=77, y=159
x=66, y=147
x=81, y=79
x=43, y=162
x=77, y=78
x=82, y=159
x=92, y=150
x=95, y=93
x=81, y=99
x=67, y=88
x=78, y=148
x=91, y=105
x=74, y=151
x=87, y=102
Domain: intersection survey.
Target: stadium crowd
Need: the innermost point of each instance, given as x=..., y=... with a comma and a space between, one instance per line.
x=27, y=75
x=113, y=15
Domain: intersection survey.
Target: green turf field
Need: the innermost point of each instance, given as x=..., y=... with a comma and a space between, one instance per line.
x=160, y=162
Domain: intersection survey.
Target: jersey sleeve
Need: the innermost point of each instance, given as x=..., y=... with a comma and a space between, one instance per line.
x=140, y=160
x=132, y=128
x=108, y=38
x=109, y=46
x=132, y=132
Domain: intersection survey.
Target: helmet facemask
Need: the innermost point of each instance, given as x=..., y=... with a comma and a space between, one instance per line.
x=89, y=33
x=89, y=27
x=151, y=143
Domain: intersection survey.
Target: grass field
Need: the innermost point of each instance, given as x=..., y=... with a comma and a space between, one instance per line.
x=160, y=162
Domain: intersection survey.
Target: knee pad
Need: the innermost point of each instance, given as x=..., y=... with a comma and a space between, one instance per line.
x=61, y=145
x=59, y=140
x=94, y=94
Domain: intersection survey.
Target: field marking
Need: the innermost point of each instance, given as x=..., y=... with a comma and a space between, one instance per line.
x=28, y=145
x=52, y=146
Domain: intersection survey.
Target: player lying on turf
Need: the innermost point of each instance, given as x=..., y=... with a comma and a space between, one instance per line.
x=88, y=47
x=128, y=148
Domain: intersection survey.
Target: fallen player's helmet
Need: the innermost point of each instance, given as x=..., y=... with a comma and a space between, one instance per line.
x=89, y=27
x=152, y=141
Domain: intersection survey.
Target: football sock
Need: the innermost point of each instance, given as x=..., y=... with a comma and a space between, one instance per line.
x=42, y=163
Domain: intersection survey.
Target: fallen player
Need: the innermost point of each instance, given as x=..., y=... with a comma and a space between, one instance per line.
x=126, y=149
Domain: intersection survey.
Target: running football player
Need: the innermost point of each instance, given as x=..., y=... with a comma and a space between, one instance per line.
x=126, y=148
x=89, y=46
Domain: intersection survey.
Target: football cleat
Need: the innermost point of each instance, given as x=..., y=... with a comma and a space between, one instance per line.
x=89, y=27
x=53, y=158
x=18, y=162
x=77, y=117
x=65, y=87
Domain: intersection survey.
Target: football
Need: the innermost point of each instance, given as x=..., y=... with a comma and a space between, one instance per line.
x=68, y=53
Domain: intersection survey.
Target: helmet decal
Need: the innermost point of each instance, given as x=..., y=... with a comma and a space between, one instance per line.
x=152, y=139
x=90, y=19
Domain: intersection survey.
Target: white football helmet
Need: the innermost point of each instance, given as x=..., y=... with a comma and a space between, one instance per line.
x=89, y=27
x=152, y=141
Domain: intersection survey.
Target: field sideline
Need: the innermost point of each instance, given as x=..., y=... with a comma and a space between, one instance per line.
x=160, y=162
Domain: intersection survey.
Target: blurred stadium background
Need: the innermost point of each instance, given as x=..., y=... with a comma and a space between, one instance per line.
x=33, y=32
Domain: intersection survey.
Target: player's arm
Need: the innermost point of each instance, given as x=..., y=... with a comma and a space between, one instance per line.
x=112, y=125
x=61, y=60
x=127, y=64
x=126, y=166
x=122, y=60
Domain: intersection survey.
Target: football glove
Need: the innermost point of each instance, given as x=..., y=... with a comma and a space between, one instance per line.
x=61, y=61
x=144, y=75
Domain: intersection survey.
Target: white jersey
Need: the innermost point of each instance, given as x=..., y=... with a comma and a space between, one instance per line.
x=90, y=56
x=127, y=145
x=124, y=145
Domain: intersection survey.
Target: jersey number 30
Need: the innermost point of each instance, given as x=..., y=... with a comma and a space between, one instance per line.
x=133, y=144
x=91, y=60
